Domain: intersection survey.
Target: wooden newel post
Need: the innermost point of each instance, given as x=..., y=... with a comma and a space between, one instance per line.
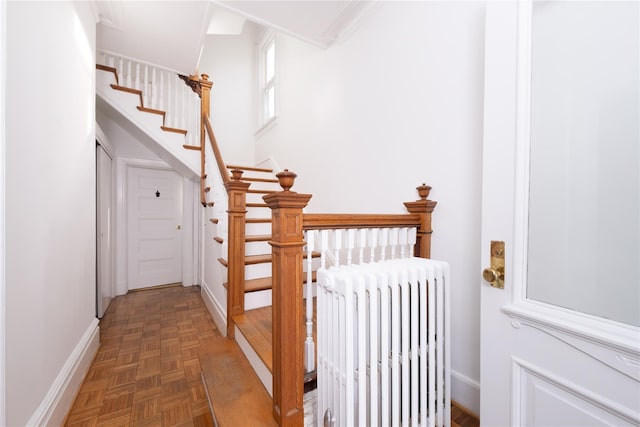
x=424, y=208
x=288, y=332
x=237, y=191
x=205, y=96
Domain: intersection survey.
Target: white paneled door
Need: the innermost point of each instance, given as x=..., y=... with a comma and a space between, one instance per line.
x=154, y=227
x=560, y=343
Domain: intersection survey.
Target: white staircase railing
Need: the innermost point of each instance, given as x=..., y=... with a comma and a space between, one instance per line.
x=162, y=90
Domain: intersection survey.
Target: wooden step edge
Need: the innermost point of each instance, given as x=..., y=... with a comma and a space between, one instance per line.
x=235, y=391
x=270, y=180
x=210, y=204
x=266, y=283
x=191, y=147
x=152, y=111
x=174, y=130
x=257, y=205
x=257, y=220
x=218, y=239
x=204, y=176
x=261, y=191
x=110, y=70
x=257, y=259
x=129, y=90
x=207, y=189
x=214, y=220
x=250, y=168
x=257, y=238
x=223, y=262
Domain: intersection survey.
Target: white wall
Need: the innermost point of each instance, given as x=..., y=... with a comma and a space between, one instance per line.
x=229, y=62
x=50, y=202
x=396, y=104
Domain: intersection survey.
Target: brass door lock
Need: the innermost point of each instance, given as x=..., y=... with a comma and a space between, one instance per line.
x=495, y=273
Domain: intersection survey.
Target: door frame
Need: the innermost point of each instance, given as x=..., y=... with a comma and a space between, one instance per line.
x=613, y=343
x=190, y=226
x=110, y=237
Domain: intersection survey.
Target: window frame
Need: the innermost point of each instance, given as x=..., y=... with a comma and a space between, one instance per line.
x=267, y=86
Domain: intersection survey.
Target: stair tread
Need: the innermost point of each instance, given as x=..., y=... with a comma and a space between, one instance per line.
x=235, y=392
x=257, y=259
x=126, y=89
x=174, y=130
x=151, y=110
x=250, y=168
x=108, y=69
x=213, y=220
x=257, y=220
x=252, y=191
x=191, y=147
x=258, y=238
x=257, y=205
x=218, y=239
x=271, y=180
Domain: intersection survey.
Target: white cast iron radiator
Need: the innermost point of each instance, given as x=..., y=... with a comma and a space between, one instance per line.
x=383, y=345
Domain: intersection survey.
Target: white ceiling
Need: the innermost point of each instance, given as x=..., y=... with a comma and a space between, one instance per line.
x=172, y=33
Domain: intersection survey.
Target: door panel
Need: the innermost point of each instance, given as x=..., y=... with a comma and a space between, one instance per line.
x=543, y=363
x=154, y=227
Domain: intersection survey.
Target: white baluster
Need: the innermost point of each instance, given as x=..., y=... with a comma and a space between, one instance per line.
x=184, y=107
x=384, y=243
x=351, y=242
x=146, y=86
x=128, y=73
x=162, y=92
x=309, y=349
x=403, y=241
x=393, y=241
x=154, y=88
x=373, y=242
x=137, y=81
x=362, y=243
x=412, y=239
x=324, y=242
x=121, y=70
x=337, y=243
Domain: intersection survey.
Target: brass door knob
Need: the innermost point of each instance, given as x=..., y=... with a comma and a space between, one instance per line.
x=493, y=275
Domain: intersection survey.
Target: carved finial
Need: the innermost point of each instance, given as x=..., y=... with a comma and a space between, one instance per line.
x=286, y=179
x=423, y=191
x=236, y=174
x=205, y=77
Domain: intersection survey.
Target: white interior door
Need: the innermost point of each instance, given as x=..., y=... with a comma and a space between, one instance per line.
x=154, y=227
x=560, y=344
x=105, y=280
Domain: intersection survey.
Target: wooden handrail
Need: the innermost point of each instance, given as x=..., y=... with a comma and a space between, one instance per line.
x=334, y=221
x=216, y=150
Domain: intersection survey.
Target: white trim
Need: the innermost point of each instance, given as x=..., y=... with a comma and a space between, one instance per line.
x=593, y=328
x=102, y=139
x=217, y=312
x=256, y=363
x=3, y=283
x=121, y=258
x=520, y=367
x=63, y=390
x=465, y=391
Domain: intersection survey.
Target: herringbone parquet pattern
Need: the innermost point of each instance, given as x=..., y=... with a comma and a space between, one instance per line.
x=147, y=371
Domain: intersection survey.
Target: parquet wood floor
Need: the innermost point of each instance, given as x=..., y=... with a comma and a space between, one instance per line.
x=147, y=371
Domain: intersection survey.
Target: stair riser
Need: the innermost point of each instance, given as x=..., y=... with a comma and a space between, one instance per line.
x=253, y=300
x=258, y=228
x=253, y=212
x=255, y=198
x=257, y=248
x=256, y=271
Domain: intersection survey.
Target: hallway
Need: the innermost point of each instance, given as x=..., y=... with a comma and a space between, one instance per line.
x=147, y=370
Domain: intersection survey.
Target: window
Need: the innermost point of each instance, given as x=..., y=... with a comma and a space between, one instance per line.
x=268, y=80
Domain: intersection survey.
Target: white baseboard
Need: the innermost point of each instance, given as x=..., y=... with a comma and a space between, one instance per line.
x=56, y=404
x=465, y=391
x=218, y=314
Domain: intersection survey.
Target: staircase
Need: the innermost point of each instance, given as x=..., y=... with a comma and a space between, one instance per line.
x=258, y=233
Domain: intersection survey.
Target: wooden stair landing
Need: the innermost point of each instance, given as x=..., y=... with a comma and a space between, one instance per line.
x=237, y=396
